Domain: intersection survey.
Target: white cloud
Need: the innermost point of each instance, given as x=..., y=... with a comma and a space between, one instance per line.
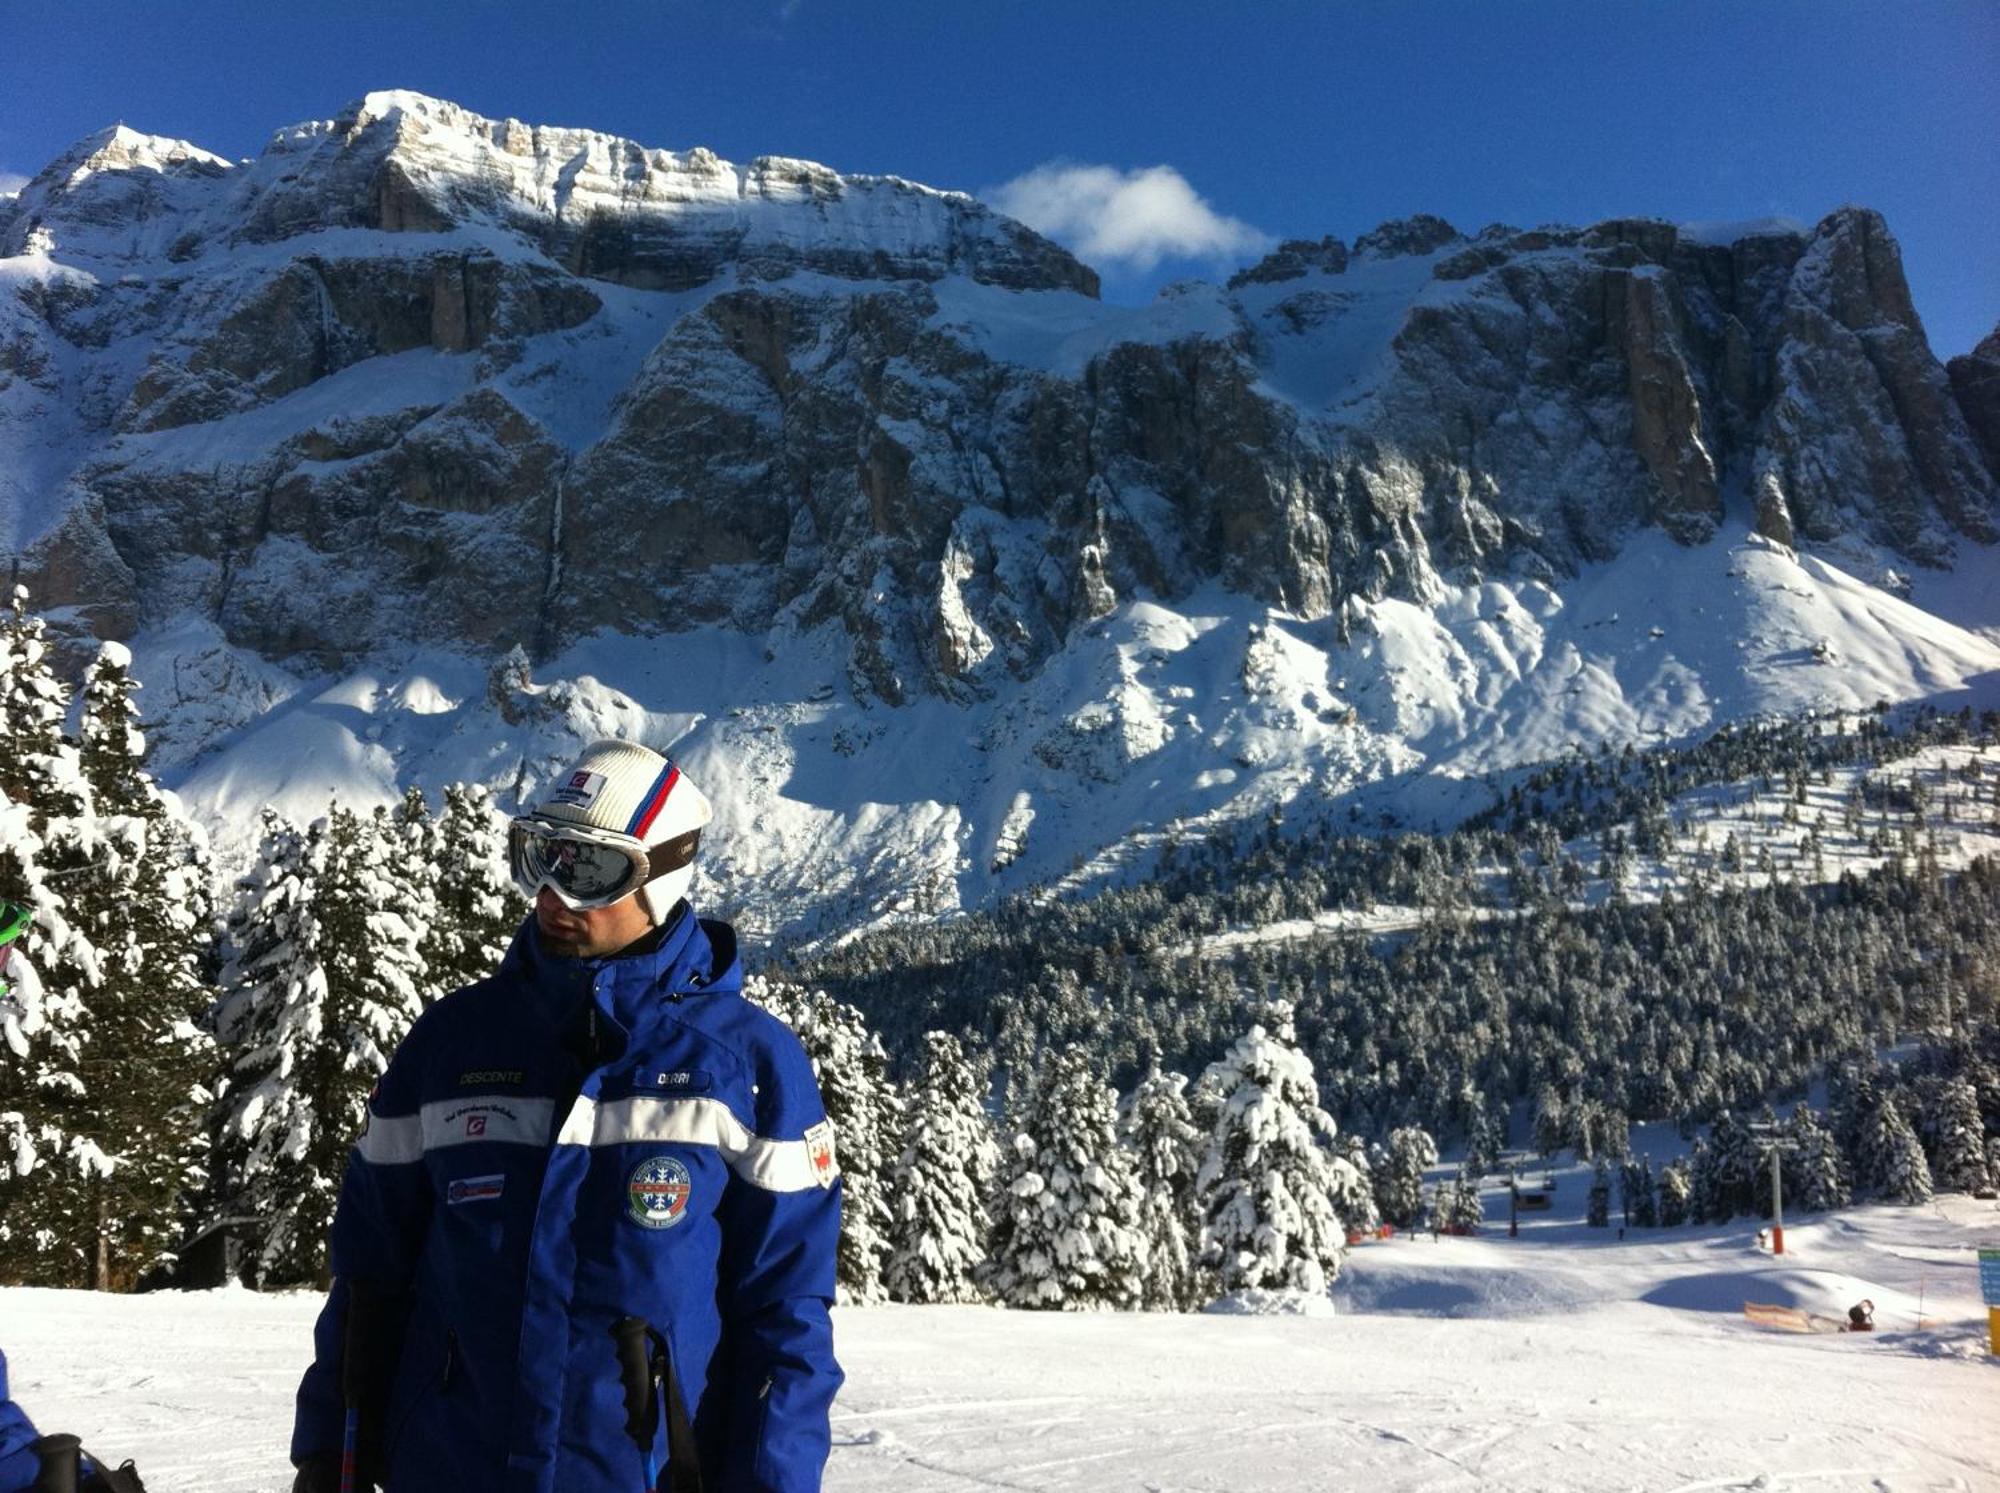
x=1128, y=219
x=11, y=182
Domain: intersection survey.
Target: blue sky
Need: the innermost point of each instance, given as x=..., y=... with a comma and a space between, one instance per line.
x=1167, y=139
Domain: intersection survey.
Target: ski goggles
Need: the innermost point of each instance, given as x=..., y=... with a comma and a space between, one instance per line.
x=589, y=867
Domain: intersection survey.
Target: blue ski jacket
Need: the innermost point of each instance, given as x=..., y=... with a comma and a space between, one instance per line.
x=18, y=1465
x=565, y=1144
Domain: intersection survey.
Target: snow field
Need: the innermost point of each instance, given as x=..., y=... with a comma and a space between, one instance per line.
x=1562, y=1360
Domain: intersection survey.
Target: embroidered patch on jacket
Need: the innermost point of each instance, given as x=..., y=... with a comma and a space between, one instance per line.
x=475, y=1189
x=657, y=1196
x=482, y=1078
x=819, y=1151
x=581, y=791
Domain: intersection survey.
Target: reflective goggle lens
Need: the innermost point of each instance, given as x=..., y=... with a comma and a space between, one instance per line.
x=582, y=870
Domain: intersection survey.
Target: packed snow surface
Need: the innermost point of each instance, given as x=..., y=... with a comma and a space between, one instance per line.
x=1565, y=1359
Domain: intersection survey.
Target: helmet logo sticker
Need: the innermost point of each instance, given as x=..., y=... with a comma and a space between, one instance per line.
x=581, y=790
x=657, y=1196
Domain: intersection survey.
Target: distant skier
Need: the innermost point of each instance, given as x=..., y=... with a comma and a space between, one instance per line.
x=32, y=1463
x=596, y=1199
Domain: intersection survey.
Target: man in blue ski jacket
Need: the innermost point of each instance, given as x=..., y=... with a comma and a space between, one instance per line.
x=587, y=1240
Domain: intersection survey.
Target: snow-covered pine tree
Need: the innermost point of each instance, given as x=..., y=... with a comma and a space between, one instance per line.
x=279, y=1066
x=1399, y=1182
x=1066, y=1224
x=865, y=1110
x=478, y=907
x=1891, y=1158
x=1486, y=1139
x=1585, y=1126
x=1728, y=1172
x=1464, y=1211
x=323, y=981
x=1638, y=1201
x=1354, y=1187
x=1266, y=1186
x=411, y=842
x=41, y=1047
x=1814, y=1175
x=1598, y=1210
x=38, y=767
x=142, y=900
x=376, y=961
x=1551, y=1121
x=48, y=841
x=1676, y=1193
x=941, y=1179
x=1157, y=1129
x=1958, y=1159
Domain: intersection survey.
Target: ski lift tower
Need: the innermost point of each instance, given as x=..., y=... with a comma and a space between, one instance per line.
x=1776, y=1145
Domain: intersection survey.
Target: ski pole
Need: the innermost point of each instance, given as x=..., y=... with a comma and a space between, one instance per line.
x=635, y=1369
x=354, y=1354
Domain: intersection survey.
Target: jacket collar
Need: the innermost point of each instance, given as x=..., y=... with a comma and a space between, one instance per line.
x=692, y=955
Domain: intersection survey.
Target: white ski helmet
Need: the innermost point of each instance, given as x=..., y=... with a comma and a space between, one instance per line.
x=623, y=817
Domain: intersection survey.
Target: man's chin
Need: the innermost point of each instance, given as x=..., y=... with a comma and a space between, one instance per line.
x=564, y=944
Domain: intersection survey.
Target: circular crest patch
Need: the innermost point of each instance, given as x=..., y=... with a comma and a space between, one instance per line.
x=657, y=1196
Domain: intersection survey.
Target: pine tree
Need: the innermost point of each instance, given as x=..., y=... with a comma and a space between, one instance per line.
x=1266, y=1186
x=412, y=861
x=478, y=907
x=1728, y=1173
x=1354, y=1187
x=1638, y=1199
x=50, y=841
x=1157, y=1129
x=1891, y=1158
x=1066, y=1226
x=1958, y=1161
x=38, y=768
x=324, y=981
x=1676, y=1193
x=1551, y=1121
x=1814, y=1175
x=1598, y=1210
x=942, y=1176
x=1464, y=1211
x=1400, y=1181
x=141, y=898
x=864, y=1108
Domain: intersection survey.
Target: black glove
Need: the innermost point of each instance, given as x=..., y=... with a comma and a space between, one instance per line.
x=320, y=1475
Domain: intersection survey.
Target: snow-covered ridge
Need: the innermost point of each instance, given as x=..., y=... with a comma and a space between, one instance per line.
x=607, y=207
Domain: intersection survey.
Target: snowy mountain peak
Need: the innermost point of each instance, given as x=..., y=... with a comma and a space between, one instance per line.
x=1419, y=234
x=609, y=208
x=119, y=147
x=105, y=196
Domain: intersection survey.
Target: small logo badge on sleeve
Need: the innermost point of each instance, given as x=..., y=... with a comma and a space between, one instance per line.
x=819, y=1151
x=475, y=1189
x=657, y=1196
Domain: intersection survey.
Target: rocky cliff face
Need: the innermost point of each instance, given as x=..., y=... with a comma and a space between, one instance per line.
x=417, y=374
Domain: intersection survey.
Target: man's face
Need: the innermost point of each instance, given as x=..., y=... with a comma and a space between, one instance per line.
x=589, y=932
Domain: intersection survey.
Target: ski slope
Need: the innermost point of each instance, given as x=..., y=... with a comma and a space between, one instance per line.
x=1565, y=1359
